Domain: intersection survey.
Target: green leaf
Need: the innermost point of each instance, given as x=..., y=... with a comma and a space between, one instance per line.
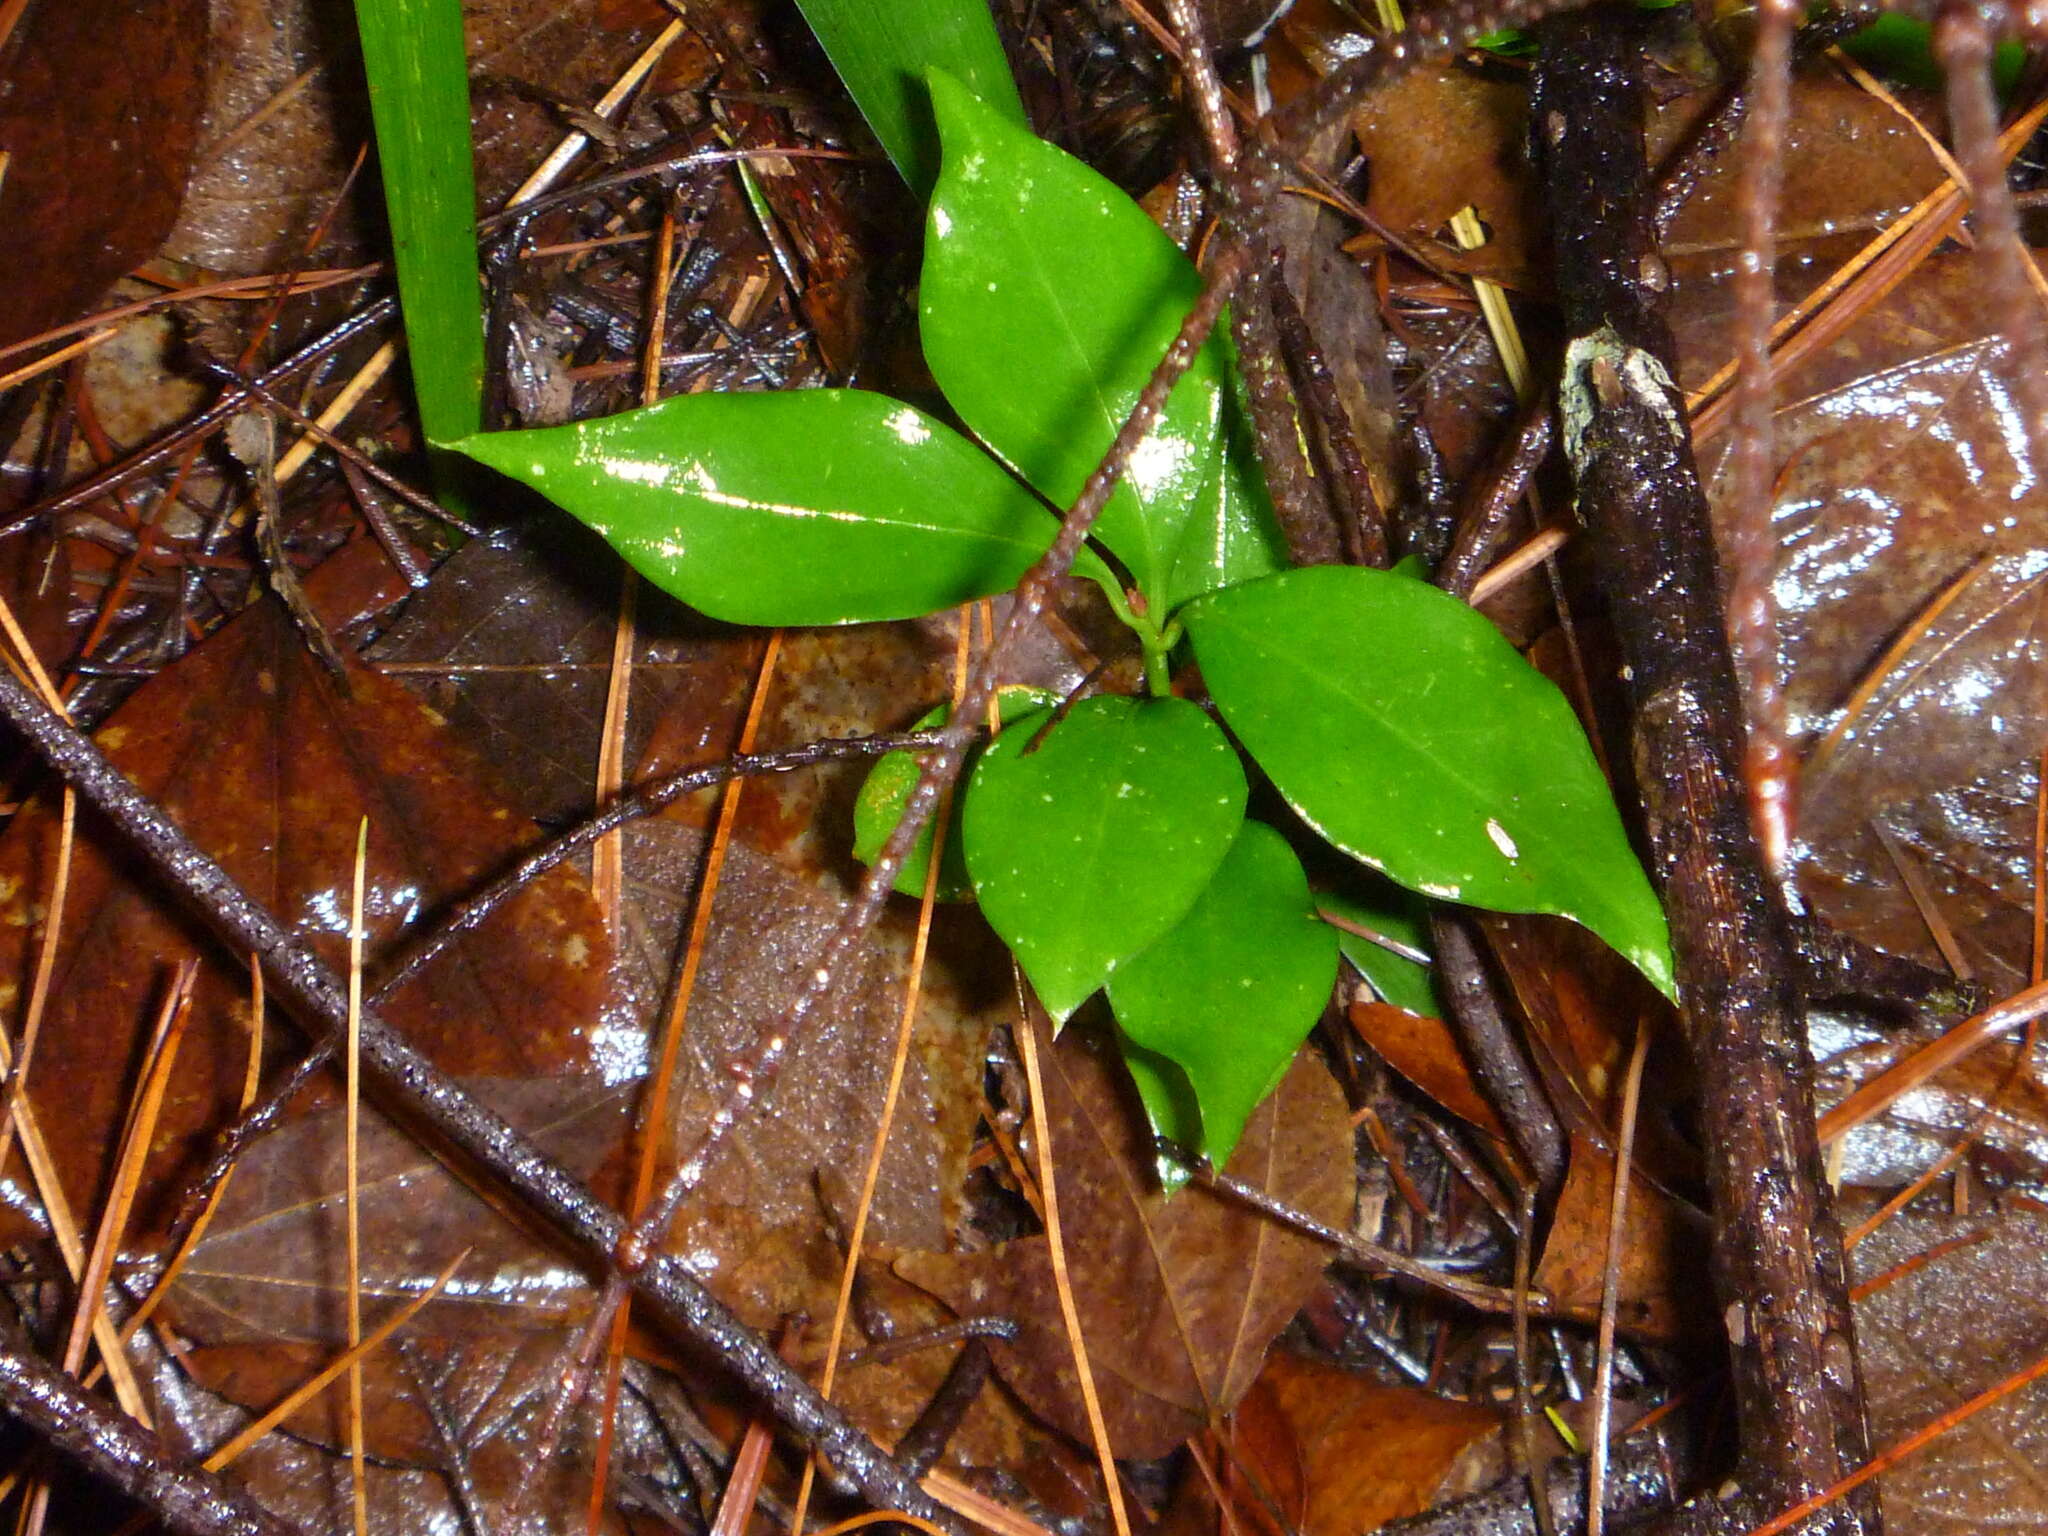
x=882, y=53
x=1394, y=914
x=1404, y=729
x=1230, y=991
x=419, y=102
x=1170, y=1106
x=815, y=506
x=1901, y=47
x=1089, y=844
x=886, y=790
x=1048, y=297
x=1231, y=535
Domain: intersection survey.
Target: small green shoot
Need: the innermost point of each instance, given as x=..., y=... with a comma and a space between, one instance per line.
x=1108, y=844
x=419, y=102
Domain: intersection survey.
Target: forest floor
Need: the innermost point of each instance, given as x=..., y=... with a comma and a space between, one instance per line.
x=273, y=631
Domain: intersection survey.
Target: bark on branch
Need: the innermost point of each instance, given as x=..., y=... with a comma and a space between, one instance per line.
x=1778, y=1260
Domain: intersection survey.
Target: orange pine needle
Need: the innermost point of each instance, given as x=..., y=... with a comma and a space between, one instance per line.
x=1610, y=1287
x=1027, y=1042
x=252, y=1074
x=2040, y=957
x=58, y=358
x=875, y=1517
x=1888, y=664
x=90, y=1316
x=349, y=1360
x=1893, y=1454
x=966, y=1500
x=913, y=992
x=135, y=1142
x=661, y=1085
x=743, y=1482
x=1914, y=878
x=359, y=1489
x=607, y=859
x=1871, y=272
x=1525, y=557
x=1938, y=1055
x=1920, y=1260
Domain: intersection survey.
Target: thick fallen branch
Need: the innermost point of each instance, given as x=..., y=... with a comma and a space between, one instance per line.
x=1778, y=1263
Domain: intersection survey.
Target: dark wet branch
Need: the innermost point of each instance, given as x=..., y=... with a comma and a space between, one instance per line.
x=1778, y=1262
x=1485, y=519
x=1361, y=525
x=1643, y=1482
x=107, y=1443
x=1497, y=1058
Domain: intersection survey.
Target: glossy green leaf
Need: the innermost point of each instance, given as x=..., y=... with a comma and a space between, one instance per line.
x=414, y=58
x=886, y=790
x=1047, y=299
x=1399, y=917
x=1170, y=1106
x=815, y=506
x=1231, y=990
x=882, y=52
x=1087, y=844
x=1404, y=729
x=1231, y=535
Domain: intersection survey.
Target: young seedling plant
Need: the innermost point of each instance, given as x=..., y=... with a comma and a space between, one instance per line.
x=1108, y=843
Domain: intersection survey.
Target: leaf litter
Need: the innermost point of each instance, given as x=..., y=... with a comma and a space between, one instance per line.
x=521, y=671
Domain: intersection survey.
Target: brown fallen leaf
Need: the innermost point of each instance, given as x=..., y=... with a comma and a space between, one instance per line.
x=1913, y=588
x=265, y=1292
x=1359, y=1453
x=1583, y=1004
x=1442, y=140
x=96, y=149
x=1663, y=1252
x=1424, y=1051
x=1178, y=1298
x=269, y=763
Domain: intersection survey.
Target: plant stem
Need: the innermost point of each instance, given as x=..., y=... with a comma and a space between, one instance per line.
x=418, y=70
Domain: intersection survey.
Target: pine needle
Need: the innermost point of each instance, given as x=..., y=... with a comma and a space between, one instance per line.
x=359, y=1488
x=1027, y=1043
x=913, y=992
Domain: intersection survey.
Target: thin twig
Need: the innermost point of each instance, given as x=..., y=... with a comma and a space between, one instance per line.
x=1610, y=1286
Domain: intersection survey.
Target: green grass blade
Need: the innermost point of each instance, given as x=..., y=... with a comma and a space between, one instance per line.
x=419, y=99
x=882, y=49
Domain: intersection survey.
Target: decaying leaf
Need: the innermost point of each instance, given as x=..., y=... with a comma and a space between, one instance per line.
x=96, y=150
x=1663, y=1250
x=1936, y=1336
x=270, y=763
x=1178, y=1297
x=1583, y=1005
x=1912, y=585
x=265, y=1293
x=1425, y=1052
x=1343, y=1455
